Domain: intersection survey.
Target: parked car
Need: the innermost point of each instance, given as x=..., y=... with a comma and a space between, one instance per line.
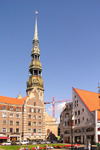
x=47, y=142
x=34, y=143
x=18, y=142
x=6, y=143
x=24, y=142
x=41, y=142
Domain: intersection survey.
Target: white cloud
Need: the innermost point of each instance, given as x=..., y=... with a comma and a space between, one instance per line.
x=50, y=108
x=59, y=107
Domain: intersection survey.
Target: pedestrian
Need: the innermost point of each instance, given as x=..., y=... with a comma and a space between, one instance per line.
x=37, y=147
x=75, y=146
x=26, y=148
x=89, y=146
x=46, y=146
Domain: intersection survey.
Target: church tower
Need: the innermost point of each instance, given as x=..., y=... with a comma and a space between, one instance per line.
x=35, y=68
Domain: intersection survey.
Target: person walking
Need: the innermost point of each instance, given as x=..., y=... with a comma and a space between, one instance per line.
x=89, y=146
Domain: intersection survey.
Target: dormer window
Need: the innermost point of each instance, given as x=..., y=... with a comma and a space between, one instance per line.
x=4, y=107
x=17, y=109
x=11, y=108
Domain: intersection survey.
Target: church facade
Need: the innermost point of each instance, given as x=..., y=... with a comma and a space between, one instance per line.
x=26, y=118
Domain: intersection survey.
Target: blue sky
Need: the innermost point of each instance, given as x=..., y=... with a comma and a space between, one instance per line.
x=69, y=36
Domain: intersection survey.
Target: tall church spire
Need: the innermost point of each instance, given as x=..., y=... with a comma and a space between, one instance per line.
x=36, y=31
x=35, y=68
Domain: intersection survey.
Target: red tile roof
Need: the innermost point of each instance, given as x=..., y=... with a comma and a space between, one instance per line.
x=10, y=100
x=90, y=99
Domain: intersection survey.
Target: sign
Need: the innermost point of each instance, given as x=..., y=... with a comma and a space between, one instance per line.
x=58, y=137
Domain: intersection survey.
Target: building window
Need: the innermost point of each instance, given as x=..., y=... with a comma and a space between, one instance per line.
x=4, y=107
x=39, y=130
x=78, y=121
x=75, y=103
x=40, y=117
x=29, y=123
x=34, y=116
x=29, y=130
x=83, y=118
x=82, y=110
x=75, y=113
x=10, y=129
x=29, y=109
x=87, y=119
x=34, y=123
x=75, y=121
x=11, y=115
x=34, y=130
x=11, y=108
x=11, y=122
x=17, y=108
x=75, y=96
x=4, y=129
x=65, y=123
x=34, y=103
x=70, y=106
x=68, y=123
x=89, y=129
x=40, y=123
x=39, y=110
x=34, y=110
x=77, y=131
x=78, y=112
x=29, y=116
x=17, y=123
x=67, y=132
x=17, y=116
x=4, y=114
x=66, y=115
x=17, y=130
x=4, y=122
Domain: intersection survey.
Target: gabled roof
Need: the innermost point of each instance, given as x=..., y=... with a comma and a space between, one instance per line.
x=90, y=99
x=10, y=100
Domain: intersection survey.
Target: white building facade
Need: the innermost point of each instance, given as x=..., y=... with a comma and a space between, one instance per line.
x=85, y=118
